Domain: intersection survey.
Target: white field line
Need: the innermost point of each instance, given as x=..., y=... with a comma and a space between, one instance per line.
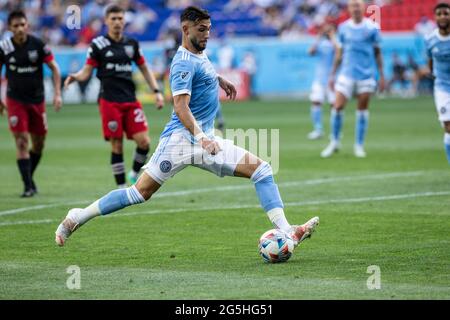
x=288, y=204
x=230, y=188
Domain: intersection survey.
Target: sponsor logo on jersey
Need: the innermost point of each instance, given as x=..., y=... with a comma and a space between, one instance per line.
x=119, y=67
x=123, y=67
x=28, y=69
x=113, y=125
x=33, y=55
x=13, y=120
x=129, y=50
x=165, y=166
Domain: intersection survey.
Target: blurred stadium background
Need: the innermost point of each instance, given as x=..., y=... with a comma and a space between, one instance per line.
x=389, y=210
x=260, y=44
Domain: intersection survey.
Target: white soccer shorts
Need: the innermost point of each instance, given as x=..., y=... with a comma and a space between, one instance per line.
x=442, y=102
x=176, y=152
x=346, y=86
x=320, y=93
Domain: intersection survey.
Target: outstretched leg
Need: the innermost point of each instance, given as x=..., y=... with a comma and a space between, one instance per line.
x=447, y=139
x=260, y=172
x=113, y=201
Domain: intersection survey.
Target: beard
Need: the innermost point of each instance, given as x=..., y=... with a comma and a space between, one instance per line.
x=197, y=45
x=443, y=25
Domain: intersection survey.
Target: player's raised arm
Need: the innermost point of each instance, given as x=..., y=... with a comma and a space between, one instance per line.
x=56, y=78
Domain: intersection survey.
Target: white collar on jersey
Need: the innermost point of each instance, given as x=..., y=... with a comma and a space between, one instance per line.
x=440, y=36
x=198, y=55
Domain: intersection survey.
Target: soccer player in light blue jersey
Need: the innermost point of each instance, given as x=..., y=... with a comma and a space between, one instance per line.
x=360, y=55
x=188, y=139
x=438, y=50
x=324, y=48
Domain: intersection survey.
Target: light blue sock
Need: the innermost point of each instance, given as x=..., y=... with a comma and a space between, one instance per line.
x=337, y=118
x=447, y=145
x=119, y=199
x=266, y=189
x=362, y=122
x=316, y=117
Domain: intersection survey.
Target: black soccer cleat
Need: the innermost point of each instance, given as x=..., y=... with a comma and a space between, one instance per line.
x=33, y=187
x=27, y=194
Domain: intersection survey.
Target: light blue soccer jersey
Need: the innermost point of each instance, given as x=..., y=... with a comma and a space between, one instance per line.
x=195, y=75
x=438, y=49
x=325, y=52
x=358, y=42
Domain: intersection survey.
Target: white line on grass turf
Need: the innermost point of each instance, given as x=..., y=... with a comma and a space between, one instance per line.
x=288, y=204
x=230, y=188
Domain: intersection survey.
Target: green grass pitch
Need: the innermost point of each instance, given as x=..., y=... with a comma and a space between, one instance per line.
x=391, y=210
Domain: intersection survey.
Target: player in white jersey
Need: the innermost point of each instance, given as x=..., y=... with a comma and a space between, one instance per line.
x=188, y=139
x=438, y=50
x=360, y=55
x=324, y=47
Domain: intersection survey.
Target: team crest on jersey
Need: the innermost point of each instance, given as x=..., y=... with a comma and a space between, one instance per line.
x=33, y=55
x=443, y=110
x=13, y=120
x=129, y=50
x=113, y=125
x=165, y=166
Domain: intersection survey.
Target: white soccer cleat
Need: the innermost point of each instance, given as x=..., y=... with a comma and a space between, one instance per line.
x=359, y=151
x=314, y=135
x=332, y=147
x=67, y=227
x=304, y=231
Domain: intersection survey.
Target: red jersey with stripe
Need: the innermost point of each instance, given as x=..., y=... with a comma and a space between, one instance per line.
x=113, y=60
x=24, y=68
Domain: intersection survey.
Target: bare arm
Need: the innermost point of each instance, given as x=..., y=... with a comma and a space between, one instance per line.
x=81, y=75
x=181, y=109
x=2, y=106
x=151, y=82
x=336, y=63
x=379, y=60
x=228, y=87
x=56, y=77
x=313, y=49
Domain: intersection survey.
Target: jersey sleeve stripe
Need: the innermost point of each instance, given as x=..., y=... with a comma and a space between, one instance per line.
x=140, y=61
x=92, y=62
x=180, y=92
x=48, y=58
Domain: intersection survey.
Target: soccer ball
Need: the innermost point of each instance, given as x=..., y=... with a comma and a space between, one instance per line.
x=275, y=246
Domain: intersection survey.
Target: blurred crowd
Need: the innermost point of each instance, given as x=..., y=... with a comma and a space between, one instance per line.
x=150, y=20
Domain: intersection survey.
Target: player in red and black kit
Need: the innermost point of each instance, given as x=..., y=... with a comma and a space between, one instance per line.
x=113, y=55
x=23, y=56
